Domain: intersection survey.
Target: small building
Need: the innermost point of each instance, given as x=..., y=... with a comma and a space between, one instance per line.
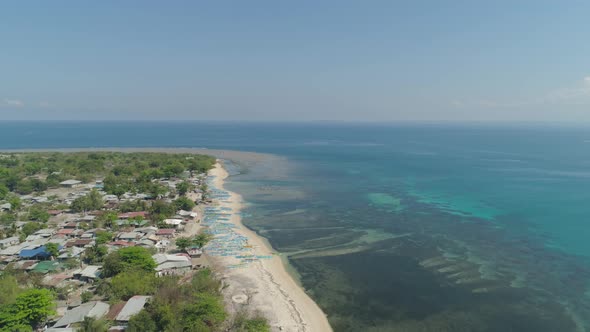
x=175, y=223
x=70, y=225
x=65, y=232
x=87, y=218
x=80, y=243
x=9, y=241
x=35, y=253
x=129, y=236
x=194, y=252
x=46, y=232
x=70, y=183
x=128, y=215
x=188, y=214
x=131, y=308
x=166, y=232
x=121, y=244
x=55, y=212
x=110, y=198
x=5, y=207
x=45, y=267
x=72, y=252
x=89, y=274
x=172, y=264
x=96, y=309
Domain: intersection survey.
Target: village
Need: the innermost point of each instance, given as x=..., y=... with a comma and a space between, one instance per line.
x=68, y=252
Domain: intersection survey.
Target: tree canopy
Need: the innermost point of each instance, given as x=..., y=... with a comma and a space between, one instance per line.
x=131, y=258
x=92, y=201
x=30, y=309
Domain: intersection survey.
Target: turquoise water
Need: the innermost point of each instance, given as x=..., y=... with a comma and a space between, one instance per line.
x=403, y=228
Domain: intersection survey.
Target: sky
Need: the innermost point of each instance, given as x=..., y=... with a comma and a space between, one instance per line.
x=301, y=60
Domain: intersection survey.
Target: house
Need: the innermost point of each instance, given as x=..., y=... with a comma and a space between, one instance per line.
x=110, y=198
x=10, y=241
x=128, y=215
x=187, y=214
x=80, y=243
x=129, y=236
x=172, y=264
x=45, y=233
x=70, y=183
x=40, y=199
x=13, y=250
x=146, y=243
x=194, y=251
x=65, y=232
x=115, y=310
x=166, y=232
x=87, y=218
x=121, y=244
x=131, y=308
x=71, y=252
x=70, y=225
x=54, y=280
x=175, y=223
x=35, y=253
x=89, y=273
x=46, y=267
x=23, y=265
x=96, y=309
x=55, y=212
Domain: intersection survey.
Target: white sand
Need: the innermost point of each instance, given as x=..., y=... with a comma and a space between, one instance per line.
x=264, y=286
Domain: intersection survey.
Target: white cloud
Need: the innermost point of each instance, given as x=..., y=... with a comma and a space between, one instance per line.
x=44, y=104
x=13, y=103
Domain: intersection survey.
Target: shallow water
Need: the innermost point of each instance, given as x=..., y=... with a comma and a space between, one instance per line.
x=403, y=228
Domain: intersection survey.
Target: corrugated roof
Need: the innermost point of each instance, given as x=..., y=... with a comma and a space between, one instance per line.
x=132, y=307
x=94, y=309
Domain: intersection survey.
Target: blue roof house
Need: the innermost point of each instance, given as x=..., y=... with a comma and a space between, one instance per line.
x=37, y=253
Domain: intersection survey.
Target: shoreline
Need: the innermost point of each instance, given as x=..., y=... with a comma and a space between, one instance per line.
x=272, y=290
x=264, y=286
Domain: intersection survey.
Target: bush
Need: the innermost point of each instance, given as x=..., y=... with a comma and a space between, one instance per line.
x=131, y=258
x=132, y=282
x=86, y=296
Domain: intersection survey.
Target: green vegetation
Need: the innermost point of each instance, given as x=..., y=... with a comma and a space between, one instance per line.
x=202, y=239
x=31, y=227
x=92, y=201
x=129, y=283
x=126, y=259
x=177, y=305
x=184, y=203
x=199, y=241
x=103, y=237
x=86, y=296
x=196, y=306
x=52, y=249
x=9, y=289
x=28, y=311
x=95, y=254
x=38, y=213
x=91, y=324
x=242, y=323
x=184, y=187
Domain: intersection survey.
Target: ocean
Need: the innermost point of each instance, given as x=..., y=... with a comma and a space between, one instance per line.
x=414, y=227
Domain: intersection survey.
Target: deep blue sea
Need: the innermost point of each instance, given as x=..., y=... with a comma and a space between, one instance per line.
x=402, y=227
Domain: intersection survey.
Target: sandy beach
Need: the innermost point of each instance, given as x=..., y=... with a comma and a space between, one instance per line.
x=264, y=286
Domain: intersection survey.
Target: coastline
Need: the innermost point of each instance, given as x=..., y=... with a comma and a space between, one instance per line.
x=265, y=285
x=272, y=290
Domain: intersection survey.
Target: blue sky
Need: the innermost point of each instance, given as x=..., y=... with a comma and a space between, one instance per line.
x=296, y=60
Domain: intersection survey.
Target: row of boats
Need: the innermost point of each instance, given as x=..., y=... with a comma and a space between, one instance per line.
x=226, y=241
